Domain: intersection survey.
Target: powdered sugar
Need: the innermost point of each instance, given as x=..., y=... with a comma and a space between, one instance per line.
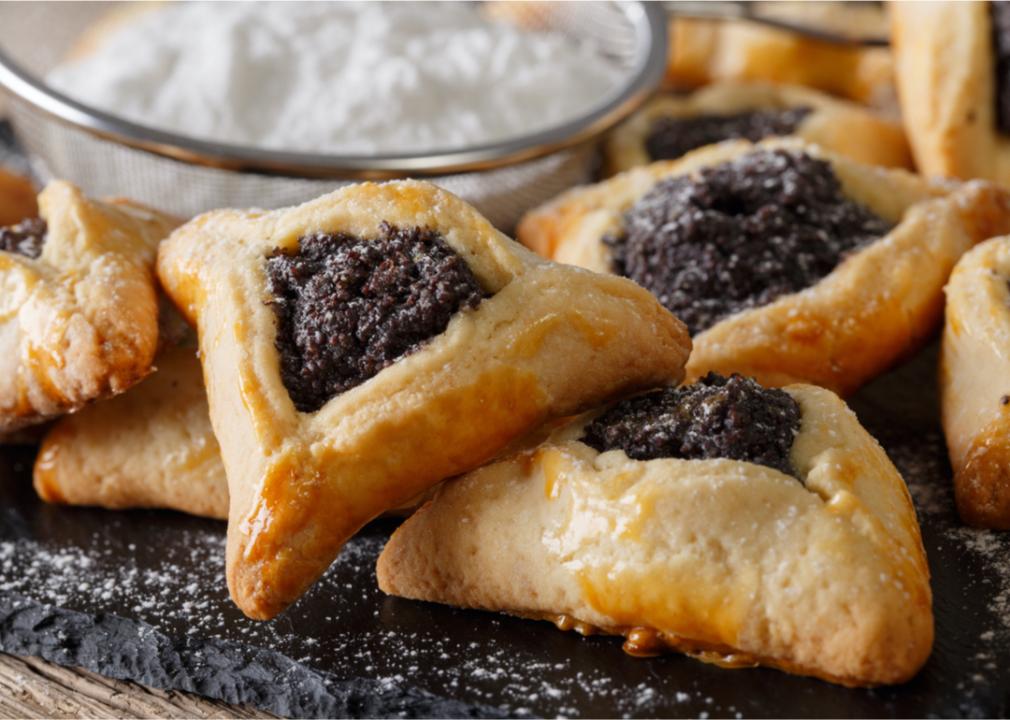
x=355, y=78
x=970, y=568
x=345, y=616
x=924, y=467
x=993, y=549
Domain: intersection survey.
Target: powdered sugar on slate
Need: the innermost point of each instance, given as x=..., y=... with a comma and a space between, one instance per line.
x=183, y=590
x=167, y=571
x=924, y=468
x=981, y=556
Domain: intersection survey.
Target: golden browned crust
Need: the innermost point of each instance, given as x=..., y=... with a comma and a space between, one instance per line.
x=17, y=199
x=81, y=321
x=704, y=51
x=982, y=480
x=850, y=326
x=975, y=383
x=550, y=341
x=945, y=75
x=825, y=576
x=836, y=125
x=150, y=447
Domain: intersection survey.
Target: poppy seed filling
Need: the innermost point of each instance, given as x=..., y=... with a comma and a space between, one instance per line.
x=716, y=417
x=671, y=137
x=740, y=234
x=26, y=238
x=347, y=307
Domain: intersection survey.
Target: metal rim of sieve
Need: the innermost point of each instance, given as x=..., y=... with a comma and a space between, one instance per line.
x=649, y=23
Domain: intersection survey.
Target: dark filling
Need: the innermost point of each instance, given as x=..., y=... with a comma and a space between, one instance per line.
x=347, y=307
x=26, y=238
x=670, y=138
x=740, y=234
x=716, y=417
x=999, y=12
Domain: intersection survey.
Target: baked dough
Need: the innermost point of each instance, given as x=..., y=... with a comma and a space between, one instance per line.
x=729, y=560
x=150, y=447
x=705, y=51
x=946, y=82
x=79, y=322
x=551, y=340
x=975, y=383
x=853, y=324
x=17, y=199
x=836, y=125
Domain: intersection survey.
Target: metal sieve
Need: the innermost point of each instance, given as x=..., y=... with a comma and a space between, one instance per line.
x=107, y=155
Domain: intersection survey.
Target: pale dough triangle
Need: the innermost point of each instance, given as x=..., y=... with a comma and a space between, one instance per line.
x=151, y=447
x=823, y=576
x=838, y=126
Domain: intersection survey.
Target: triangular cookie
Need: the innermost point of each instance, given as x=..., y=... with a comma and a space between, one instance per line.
x=975, y=383
x=417, y=340
x=152, y=446
x=670, y=125
x=950, y=60
x=788, y=263
x=78, y=305
x=810, y=561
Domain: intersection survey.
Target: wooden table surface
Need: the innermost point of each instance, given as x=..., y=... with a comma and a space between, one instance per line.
x=33, y=688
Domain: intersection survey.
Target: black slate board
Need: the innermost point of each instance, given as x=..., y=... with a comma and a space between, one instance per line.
x=140, y=595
